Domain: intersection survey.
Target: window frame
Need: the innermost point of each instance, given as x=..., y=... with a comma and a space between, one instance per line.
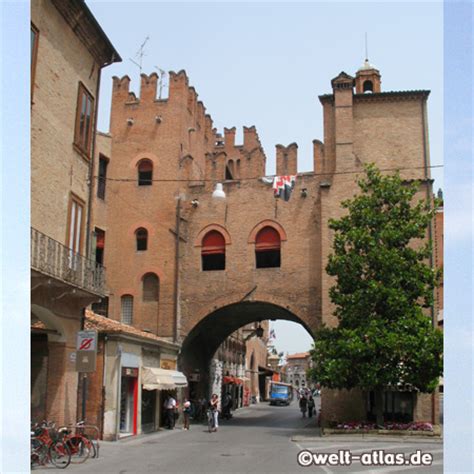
x=261, y=253
x=145, y=182
x=78, y=140
x=213, y=258
x=101, y=194
x=34, y=58
x=75, y=200
x=156, y=298
x=127, y=295
x=145, y=239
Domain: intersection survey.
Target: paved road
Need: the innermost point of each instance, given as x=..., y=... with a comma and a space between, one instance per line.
x=258, y=439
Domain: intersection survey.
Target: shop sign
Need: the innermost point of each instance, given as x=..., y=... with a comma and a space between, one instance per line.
x=168, y=364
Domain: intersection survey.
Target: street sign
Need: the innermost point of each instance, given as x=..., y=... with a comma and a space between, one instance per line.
x=86, y=341
x=86, y=353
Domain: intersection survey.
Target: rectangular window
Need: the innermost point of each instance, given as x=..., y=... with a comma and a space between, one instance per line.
x=99, y=245
x=102, y=178
x=34, y=55
x=76, y=224
x=83, y=130
x=127, y=309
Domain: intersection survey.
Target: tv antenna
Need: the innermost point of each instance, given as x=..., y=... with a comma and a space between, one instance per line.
x=161, y=79
x=139, y=55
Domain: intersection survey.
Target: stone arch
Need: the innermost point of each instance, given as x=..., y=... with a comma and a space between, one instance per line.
x=143, y=156
x=266, y=223
x=208, y=228
x=52, y=321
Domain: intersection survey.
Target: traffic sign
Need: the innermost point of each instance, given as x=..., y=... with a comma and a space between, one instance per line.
x=86, y=354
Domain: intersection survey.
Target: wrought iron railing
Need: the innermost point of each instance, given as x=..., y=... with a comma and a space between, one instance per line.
x=50, y=257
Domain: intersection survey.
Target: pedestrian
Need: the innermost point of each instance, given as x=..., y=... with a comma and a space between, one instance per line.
x=213, y=405
x=186, y=413
x=303, y=405
x=226, y=406
x=170, y=408
x=310, y=406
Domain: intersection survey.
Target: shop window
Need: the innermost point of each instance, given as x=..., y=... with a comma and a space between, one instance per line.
x=145, y=173
x=141, y=235
x=102, y=178
x=267, y=248
x=99, y=245
x=213, y=251
x=151, y=287
x=83, y=128
x=127, y=309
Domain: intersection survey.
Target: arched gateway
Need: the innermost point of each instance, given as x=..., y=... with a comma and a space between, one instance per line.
x=203, y=340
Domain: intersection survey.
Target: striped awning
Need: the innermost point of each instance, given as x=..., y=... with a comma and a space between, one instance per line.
x=154, y=378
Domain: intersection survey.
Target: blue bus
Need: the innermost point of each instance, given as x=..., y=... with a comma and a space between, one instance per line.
x=281, y=393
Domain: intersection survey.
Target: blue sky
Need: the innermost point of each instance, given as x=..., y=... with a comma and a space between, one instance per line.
x=265, y=65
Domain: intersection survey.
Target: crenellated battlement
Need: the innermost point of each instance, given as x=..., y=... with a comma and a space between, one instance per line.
x=286, y=159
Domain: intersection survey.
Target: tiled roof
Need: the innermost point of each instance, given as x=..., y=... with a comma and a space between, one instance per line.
x=298, y=355
x=110, y=326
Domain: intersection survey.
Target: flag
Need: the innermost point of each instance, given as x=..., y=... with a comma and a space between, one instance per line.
x=283, y=185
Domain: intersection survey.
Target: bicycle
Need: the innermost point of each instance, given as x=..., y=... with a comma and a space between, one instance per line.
x=47, y=447
x=79, y=445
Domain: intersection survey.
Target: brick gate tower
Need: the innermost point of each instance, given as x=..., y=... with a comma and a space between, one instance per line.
x=192, y=268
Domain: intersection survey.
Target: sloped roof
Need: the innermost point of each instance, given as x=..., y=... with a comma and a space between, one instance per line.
x=298, y=355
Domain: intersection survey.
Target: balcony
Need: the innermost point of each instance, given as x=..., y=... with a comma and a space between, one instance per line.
x=51, y=258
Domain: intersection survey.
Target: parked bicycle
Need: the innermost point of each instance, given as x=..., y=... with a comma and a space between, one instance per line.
x=80, y=445
x=47, y=447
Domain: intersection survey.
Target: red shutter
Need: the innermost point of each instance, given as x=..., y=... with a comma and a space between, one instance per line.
x=267, y=239
x=100, y=239
x=213, y=243
x=145, y=165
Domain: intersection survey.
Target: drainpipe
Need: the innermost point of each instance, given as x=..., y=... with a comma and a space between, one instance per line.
x=430, y=234
x=176, y=270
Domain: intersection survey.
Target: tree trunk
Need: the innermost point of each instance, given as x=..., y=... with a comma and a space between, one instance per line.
x=379, y=407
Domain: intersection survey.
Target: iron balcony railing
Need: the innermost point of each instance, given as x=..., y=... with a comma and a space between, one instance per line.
x=50, y=257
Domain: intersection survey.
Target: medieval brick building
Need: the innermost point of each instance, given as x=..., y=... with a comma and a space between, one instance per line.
x=193, y=268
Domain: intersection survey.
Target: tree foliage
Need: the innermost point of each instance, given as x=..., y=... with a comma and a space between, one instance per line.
x=383, y=282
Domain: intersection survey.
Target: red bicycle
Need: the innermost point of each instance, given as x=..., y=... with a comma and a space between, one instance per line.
x=46, y=446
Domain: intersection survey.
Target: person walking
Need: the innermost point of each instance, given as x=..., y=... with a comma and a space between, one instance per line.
x=186, y=413
x=214, y=405
x=303, y=405
x=310, y=406
x=170, y=408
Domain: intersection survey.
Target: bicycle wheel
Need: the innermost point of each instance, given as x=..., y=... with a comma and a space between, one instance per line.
x=59, y=455
x=80, y=447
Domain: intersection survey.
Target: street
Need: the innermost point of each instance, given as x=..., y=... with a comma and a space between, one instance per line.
x=260, y=439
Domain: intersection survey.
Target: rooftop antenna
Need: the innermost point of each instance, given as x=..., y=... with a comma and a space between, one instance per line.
x=161, y=80
x=139, y=55
x=366, y=48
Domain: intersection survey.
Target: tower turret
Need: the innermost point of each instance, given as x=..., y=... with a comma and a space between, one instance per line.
x=367, y=79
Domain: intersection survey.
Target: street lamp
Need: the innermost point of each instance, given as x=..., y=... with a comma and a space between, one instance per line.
x=218, y=192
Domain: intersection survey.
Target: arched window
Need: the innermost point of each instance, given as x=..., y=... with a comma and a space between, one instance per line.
x=127, y=309
x=368, y=86
x=141, y=235
x=213, y=251
x=229, y=170
x=145, y=173
x=267, y=248
x=151, y=287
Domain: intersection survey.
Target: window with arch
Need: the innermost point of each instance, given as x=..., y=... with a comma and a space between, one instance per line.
x=229, y=170
x=141, y=235
x=127, y=309
x=213, y=251
x=145, y=172
x=368, y=86
x=267, y=248
x=151, y=287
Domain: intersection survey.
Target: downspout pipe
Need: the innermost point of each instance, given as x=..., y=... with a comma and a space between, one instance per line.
x=176, y=269
x=430, y=232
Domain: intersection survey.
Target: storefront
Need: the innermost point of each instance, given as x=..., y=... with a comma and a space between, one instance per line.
x=129, y=401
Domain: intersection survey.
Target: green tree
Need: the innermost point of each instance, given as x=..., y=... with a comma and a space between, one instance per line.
x=384, y=338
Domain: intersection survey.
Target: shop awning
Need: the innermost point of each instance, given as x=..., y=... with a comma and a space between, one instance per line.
x=154, y=378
